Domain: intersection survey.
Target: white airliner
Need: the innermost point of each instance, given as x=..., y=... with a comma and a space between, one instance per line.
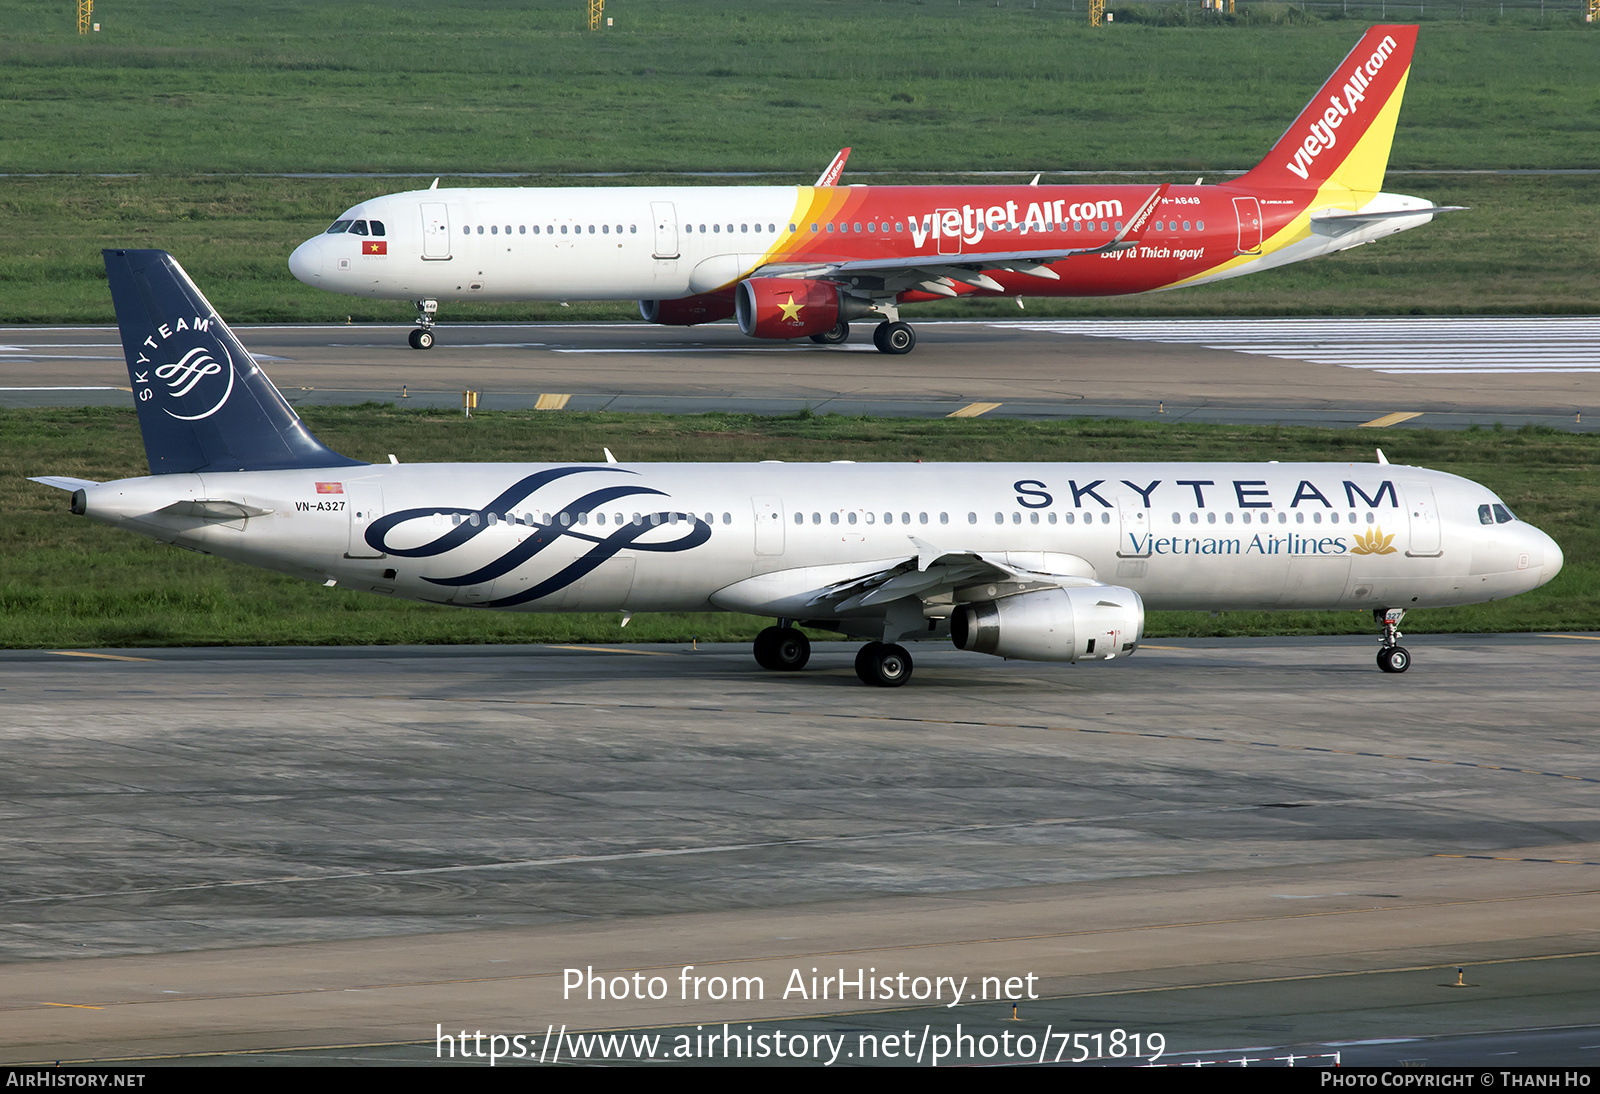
x=1046, y=562
x=806, y=261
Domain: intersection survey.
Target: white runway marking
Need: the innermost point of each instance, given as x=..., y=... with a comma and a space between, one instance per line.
x=1518, y=344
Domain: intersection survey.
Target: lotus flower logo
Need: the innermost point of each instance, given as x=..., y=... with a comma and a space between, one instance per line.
x=1373, y=542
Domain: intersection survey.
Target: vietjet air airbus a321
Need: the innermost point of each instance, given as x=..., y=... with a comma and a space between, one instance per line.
x=806, y=261
x=1044, y=562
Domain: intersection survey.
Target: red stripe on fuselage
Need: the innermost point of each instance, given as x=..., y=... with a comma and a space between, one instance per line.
x=943, y=224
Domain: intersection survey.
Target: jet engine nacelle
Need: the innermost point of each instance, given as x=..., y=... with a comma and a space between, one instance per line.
x=782, y=307
x=687, y=312
x=1084, y=623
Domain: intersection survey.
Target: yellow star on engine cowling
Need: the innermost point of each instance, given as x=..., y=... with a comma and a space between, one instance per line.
x=791, y=310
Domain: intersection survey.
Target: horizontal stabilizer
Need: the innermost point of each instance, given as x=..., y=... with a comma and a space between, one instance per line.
x=1337, y=224
x=62, y=482
x=210, y=509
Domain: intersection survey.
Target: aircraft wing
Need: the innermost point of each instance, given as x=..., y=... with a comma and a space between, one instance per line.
x=931, y=574
x=938, y=274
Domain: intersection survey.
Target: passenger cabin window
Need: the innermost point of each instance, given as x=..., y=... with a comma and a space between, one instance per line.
x=338, y=227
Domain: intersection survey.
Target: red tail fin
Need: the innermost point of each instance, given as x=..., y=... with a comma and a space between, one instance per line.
x=1343, y=135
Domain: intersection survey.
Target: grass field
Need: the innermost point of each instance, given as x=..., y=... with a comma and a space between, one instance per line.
x=187, y=97
x=67, y=582
x=436, y=86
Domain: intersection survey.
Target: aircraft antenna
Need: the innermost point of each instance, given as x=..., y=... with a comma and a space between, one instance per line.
x=597, y=8
x=1097, y=9
x=85, y=15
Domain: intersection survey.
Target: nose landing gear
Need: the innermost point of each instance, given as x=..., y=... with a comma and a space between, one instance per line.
x=1392, y=657
x=422, y=337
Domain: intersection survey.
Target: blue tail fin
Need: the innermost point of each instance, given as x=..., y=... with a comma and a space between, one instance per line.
x=204, y=404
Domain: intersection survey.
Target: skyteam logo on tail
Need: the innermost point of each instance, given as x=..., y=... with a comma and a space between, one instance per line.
x=192, y=381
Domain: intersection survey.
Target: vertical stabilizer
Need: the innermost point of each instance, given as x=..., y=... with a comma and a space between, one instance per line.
x=1342, y=137
x=204, y=404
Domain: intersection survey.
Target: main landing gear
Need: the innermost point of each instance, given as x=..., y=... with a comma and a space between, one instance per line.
x=833, y=337
x=894, y=338
x=1392, y=657
x=782, y=648
x=785, y=649
x=422, y=337
x=883, y=665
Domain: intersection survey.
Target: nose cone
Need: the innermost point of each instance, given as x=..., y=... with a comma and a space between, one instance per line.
x=306, y=262
x=1553, y=559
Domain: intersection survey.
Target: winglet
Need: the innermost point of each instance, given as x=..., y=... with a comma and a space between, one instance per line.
x=1135, y=229
x=830, y=177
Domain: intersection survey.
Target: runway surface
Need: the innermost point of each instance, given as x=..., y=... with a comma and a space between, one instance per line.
x=1445, y=373
x=1251, y=847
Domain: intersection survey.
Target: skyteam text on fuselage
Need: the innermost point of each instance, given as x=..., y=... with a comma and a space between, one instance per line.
x=795, y=262
x=1047, y=562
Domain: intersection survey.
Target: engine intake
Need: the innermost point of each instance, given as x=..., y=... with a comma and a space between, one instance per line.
x=1083, y=623
x=783, y=307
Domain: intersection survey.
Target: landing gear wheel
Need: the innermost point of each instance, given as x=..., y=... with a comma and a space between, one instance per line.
x=420, y=339
x=782, y=649
x=883, y=666
x=894, y=338
x=1394, y=659
x=833, y=337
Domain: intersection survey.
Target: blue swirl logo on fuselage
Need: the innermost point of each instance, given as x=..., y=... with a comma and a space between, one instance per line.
x=604, y=546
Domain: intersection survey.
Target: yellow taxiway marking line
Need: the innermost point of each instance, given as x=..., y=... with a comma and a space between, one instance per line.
x=973, y=410
x=1147, y=646
x=551, y=402
x=74, y=1006
x=100, y=656
x=1576, y=637
x=1391, y=419
x=614, y=649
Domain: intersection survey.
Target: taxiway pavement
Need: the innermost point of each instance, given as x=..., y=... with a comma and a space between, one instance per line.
x=1409, y=372
x=331, y=854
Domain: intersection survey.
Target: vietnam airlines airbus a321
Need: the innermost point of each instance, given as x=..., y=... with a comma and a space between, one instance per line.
x=1044, y=562
x=807, y=261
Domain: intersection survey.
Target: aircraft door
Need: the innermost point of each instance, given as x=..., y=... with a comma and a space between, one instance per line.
x=365, y=504
x=948, y=244
x=664, y=215
x=769, y=524
x=1248, y=213
x=1135, y=540
x=1425, y=538
x=435, y=231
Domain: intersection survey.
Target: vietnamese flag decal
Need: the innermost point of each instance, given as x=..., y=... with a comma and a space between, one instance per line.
x=375, y=247
x=330, y=487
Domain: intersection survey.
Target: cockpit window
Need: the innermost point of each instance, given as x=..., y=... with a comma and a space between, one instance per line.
x=1485, y=515
x=1502, y=515
x=359, y=228
x=337, y=227
x=377, y=227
